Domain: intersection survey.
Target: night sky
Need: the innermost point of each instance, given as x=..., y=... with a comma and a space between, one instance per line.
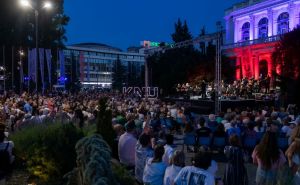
x=124, y=23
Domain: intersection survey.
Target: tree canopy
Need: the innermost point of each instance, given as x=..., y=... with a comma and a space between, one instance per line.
x=17, y=26
x=286, y=57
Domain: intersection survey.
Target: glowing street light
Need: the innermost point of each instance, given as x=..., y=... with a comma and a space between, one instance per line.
x=25, y=3
x=47, y=5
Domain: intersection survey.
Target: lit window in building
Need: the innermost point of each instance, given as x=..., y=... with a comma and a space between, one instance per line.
x=246, y=31
x=263, y=28
x=283, y=23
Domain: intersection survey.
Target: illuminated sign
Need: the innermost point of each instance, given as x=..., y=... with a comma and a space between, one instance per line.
x=147, y=44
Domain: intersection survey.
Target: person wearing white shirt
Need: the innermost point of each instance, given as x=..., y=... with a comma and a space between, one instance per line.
x=126, y=146
x=169, y=150
x=198, y=173
x=177, y=163
x=155, y=168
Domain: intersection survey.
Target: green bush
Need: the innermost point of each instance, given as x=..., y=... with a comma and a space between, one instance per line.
x=47, y=150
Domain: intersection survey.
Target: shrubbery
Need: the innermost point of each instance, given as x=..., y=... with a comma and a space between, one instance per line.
x=48, y=151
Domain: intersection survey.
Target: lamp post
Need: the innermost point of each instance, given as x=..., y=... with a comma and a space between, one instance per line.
x=46, y=5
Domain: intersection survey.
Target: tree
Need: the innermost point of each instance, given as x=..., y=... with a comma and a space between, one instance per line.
x=119, y=75
x=104, y=125
x=17, y=30
x=286, y=58
x=181, y=32
x=173, y=66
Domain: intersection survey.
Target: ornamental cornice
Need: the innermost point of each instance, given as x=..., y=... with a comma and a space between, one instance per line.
x=256, y=8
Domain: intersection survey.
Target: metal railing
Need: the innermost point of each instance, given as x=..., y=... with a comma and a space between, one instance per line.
x=251, y=42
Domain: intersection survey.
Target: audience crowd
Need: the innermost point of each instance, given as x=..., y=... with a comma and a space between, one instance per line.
x=146, y=132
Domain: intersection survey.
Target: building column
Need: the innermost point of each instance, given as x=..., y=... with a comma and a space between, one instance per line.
x=238, y=68
x=236, y=31
x=270, y=23
x=256, y=66
x=270, y=65
x=243, y=64
x=228, y=31
x=252, y=25
x=292, y=17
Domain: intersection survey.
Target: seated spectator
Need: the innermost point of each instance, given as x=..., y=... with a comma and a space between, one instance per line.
x=177, y=163
x=203, y=131
x=212, y=123
x=5, y=162
x=126, y=146
x=233, y=129
x=285, y=129
x=169, y=150
x=155, y=168
x=142, y=153
x=220, y=131
x=249, y=132
x=197, y=174
x=259, y=126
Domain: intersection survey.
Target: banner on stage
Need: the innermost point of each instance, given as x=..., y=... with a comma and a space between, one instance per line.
x=152, y=92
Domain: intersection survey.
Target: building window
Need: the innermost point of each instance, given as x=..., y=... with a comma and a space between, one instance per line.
x=283, y=23
x=263, y=28
x=246, y=31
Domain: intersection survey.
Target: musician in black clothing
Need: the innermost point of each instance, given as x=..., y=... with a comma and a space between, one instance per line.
x=203, y=89
x=267, y=84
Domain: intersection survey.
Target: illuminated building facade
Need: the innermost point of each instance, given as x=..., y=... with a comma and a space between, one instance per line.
x=253, y=28
x=92, y=63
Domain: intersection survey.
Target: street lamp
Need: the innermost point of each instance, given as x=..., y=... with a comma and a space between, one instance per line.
x=46, y=5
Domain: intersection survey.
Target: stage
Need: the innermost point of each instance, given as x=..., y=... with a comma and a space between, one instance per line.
x=207, y=106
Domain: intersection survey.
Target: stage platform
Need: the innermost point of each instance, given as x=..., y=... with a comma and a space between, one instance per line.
x=207, y=106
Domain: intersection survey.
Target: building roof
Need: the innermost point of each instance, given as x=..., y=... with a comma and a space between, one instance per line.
x=242, y=4
x=98, y=46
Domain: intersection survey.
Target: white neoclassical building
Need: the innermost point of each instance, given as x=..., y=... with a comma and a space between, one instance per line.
x=252, y=29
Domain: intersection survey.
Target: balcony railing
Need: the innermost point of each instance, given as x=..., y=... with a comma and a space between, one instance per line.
x=251, y=42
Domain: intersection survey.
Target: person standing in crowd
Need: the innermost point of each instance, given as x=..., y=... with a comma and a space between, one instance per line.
x=235, y=171
x=293, y=155
x=269, y=159
x=126, y=146
x=169, y=150
x=198, y=173
x=155, y=168
x=142, y=153
x=177, y=163
x=6, y=157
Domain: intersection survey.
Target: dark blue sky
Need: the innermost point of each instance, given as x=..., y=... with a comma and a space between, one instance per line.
x=123, y=23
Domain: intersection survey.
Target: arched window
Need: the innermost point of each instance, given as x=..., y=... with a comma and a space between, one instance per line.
x=246, y=31
x=263, y=28
x=283, y=23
